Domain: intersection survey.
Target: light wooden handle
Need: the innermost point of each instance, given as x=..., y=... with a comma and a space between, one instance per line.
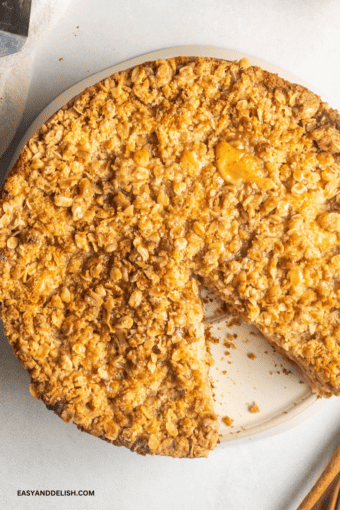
x=334, y=496
x=328, y=475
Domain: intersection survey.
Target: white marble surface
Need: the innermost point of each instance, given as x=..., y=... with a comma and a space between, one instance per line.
x=39, y=451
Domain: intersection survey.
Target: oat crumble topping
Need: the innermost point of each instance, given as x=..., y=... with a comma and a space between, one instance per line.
x=173, y=170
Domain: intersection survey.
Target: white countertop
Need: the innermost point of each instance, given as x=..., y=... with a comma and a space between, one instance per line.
x=38, y=451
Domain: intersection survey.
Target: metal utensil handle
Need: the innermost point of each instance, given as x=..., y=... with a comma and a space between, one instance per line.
x=14, y=25
x=11, y=43
x=15, y=16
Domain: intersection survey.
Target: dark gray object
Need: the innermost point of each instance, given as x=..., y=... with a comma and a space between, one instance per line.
x=14, y=25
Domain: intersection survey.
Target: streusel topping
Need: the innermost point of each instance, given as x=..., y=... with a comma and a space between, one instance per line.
x=173, y=170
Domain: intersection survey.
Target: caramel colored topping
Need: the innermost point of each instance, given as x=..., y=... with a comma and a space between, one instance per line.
x=237, y=166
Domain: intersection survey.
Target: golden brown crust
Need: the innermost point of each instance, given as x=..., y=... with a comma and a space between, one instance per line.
x=173, y=169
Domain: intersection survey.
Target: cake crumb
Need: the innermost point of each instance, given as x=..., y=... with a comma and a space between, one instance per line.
x=209, y=337
x=229, y=345
x=251, y=355
x=234, y=321
x=253, y=408
x=228, y=421
x=61, y=58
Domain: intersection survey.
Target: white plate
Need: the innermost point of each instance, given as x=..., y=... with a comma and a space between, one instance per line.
x=270, y=380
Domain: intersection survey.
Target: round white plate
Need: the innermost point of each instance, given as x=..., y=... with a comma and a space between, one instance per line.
x=266, y=377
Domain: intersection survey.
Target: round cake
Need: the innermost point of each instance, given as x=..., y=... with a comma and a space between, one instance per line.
x=159, y=178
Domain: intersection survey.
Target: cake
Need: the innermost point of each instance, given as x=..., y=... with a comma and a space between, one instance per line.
x=157, y=179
